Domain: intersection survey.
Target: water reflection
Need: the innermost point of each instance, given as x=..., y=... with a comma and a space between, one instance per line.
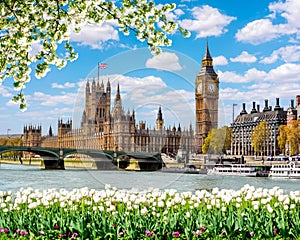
x=13, y=177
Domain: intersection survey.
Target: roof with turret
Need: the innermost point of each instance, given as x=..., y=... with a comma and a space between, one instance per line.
x=277, y=115
x=207, y=66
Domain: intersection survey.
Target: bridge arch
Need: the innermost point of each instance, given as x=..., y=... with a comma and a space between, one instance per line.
x=89, y=152
x=39, y=151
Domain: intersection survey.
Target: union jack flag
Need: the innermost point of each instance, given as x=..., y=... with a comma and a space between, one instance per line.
x=102, y=65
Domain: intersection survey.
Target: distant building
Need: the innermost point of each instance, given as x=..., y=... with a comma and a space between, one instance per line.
x=32, y=136
x=111, y=128
x=11, y=136
x=244, y=124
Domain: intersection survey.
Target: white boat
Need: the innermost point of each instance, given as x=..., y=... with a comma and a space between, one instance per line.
x=289, y=170
x=233, y=170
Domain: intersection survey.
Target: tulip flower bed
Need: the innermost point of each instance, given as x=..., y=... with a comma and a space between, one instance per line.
x=248, y=213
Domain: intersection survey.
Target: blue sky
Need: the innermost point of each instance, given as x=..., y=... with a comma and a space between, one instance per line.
x=255, y=47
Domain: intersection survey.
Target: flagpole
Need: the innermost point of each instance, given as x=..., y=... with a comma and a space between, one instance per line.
x=232, y=112
x=98, y=71
x=8, y=129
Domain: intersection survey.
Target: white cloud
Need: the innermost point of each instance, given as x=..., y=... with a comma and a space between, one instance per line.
x=288, y=10
x=63, y=86
x=287, y=54
x=146, y=94
x=258, y=92
x=95, y=36
x=220, y=61
x=54, y=100
x=4, y=91
x=250, y=75
x=130, y=82
x=244, y=57
x=177, y=105
x=179, y=12
x=257, y=32
x=285, y=73
x=255, y=75
x=260, y=86
x=11, y=103
x=208, y=21
x=271, y=59
x=164, y=61
x=264, y=30
x=231, y=77
x=39, y=115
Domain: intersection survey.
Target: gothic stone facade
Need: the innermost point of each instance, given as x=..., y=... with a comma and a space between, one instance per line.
x=206, y=99
x=111, y=128
x=116, y=129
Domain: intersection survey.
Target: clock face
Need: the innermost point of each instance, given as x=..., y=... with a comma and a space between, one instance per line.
x=199, y=88
x=212, y=88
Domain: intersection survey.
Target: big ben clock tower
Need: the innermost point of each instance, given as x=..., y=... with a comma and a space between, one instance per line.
x=206, y=96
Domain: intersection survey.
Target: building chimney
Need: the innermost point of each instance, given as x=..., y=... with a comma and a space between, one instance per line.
x=243, y=110
x=297, y=100
x=292, y=103
x=253, y=108
x=277, y=107
x=266, y=108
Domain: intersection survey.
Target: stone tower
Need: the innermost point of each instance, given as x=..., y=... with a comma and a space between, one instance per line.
x=206, y=99
x=32, y=136
x=97, y=107
x=159, y=120
x=64, y=128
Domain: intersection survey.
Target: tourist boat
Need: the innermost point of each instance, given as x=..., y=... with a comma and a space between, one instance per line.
x=233, y=170
x=289, y=170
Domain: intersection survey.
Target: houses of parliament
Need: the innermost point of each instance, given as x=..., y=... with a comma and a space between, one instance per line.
x=109, y=127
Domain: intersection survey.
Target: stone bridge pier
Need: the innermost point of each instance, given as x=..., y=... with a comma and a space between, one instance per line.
x=53, y=162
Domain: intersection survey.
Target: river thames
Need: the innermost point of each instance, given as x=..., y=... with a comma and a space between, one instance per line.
x=14, y=177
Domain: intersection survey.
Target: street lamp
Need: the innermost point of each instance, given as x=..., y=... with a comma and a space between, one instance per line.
x=184, y=155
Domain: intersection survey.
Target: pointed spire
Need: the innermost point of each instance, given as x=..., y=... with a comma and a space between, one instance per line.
x=207, y=63
x=93, y=85
x=108, y=86
x=50, y=131
x=159, y=114
x=118, y=96
x=207, y=53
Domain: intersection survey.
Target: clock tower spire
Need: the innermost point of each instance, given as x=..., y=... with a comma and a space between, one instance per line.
x=206, y=96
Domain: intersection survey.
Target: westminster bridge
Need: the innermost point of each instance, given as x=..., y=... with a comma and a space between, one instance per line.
x=53, y=158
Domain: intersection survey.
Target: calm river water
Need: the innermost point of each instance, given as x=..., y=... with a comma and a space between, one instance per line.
x=13, y=177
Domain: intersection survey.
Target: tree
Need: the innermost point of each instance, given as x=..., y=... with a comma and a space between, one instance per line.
x=289, y=138
x=12, y=142
x=260, y=137
x=217, y=140
x=227, y=143
x=205, y=146
x=282, y=137
x=48, y=24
